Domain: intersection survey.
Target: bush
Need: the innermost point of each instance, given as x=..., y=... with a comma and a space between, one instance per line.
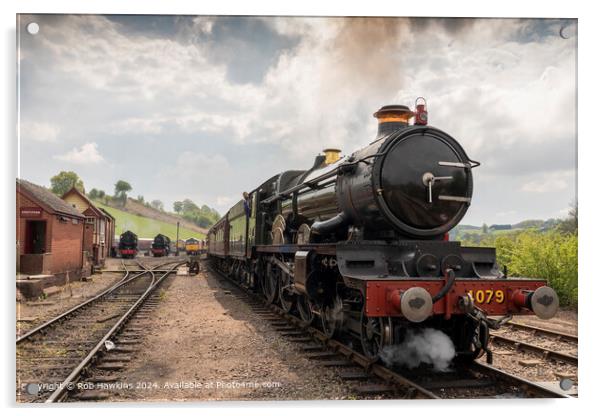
x=551, y=255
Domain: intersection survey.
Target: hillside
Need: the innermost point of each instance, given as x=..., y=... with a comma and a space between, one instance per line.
x=467, y=232
x=146, y=227
x=134, y=207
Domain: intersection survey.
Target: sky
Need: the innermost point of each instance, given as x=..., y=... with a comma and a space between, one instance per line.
x=206, y=107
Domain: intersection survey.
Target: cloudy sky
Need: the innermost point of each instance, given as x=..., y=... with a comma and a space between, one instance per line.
x=206, y=107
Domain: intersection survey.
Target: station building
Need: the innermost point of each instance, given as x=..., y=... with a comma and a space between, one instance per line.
x=50, y=239
x=109, y=234
x=99, y=229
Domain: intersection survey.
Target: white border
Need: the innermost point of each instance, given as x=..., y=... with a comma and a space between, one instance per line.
x=590, y=155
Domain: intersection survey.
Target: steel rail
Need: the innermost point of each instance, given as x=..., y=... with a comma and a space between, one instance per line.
x=559, y=335
x=126, y=279
x=545, y=352
x=532, y=388
x=69, y=383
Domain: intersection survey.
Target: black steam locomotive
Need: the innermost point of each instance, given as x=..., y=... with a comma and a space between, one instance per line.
x=160, y=245
x=128, y=245
x=361, y=243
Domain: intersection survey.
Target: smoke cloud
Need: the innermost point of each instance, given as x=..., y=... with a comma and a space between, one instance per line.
x=365, y=53
x=428, y=346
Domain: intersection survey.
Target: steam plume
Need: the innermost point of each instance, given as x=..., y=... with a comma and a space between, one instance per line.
x=429, y=346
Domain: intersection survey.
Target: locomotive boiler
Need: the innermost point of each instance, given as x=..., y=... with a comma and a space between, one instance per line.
x=360, y=243
x=415, y=184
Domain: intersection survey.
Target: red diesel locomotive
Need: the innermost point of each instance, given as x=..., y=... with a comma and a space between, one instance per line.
x=360, y=243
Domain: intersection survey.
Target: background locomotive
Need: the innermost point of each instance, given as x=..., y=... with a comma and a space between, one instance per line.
x=360, y=242
x=193, y=246
x=128, y=245
x=160, y=246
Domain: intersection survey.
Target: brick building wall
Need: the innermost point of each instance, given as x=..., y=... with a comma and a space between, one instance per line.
x=88, y=237
x=67, y=245
x=64, y=239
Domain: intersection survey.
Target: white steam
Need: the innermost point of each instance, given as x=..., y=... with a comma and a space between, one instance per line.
x=429, y=346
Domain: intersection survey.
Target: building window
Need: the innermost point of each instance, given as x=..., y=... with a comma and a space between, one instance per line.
x=89, y=220
x=74, y=221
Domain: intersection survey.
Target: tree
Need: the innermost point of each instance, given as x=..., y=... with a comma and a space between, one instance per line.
x=140, y=199
x=189, y=207
x=101, y=194
x=65, y=180
x=574, y=215
x=93, y=194
x=156, y=204
x=177, y=206
x=121, y=190
x=211, y=214
x=570, y=225
x=485, y=229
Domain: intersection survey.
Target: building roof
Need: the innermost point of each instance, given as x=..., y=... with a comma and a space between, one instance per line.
x=83, y=196
x=46, y=198
x=107, y=213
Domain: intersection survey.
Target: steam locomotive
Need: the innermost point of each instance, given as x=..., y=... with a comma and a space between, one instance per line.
x=160, y=245
x=359, y=244
x=128, y=245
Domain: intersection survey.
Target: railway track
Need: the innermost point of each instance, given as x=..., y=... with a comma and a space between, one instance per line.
x=371, y=378
x=534, y=330
x=544, y=343
x=53, y=357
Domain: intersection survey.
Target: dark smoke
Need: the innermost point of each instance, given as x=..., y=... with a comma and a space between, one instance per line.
x=367, y=52
x=451, y=25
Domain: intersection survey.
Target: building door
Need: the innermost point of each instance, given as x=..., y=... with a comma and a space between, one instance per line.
x=35, y=237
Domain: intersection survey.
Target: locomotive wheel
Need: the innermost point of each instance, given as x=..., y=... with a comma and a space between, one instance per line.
x=286, y=295
x=376, y=334
x=270, y=284
x=304, y=308
x=332, y=318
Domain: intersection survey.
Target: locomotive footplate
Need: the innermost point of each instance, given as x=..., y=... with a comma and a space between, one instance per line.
x=491, y=296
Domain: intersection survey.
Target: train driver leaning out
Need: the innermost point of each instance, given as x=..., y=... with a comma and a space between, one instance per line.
x=247, y=203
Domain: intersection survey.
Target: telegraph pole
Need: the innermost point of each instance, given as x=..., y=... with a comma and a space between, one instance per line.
x=178, y=239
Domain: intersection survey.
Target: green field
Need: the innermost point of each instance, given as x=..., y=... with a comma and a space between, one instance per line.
x=146, y=227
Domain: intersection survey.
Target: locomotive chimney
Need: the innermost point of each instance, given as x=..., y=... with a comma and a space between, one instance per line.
x=391, y=118
x=332, y=155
